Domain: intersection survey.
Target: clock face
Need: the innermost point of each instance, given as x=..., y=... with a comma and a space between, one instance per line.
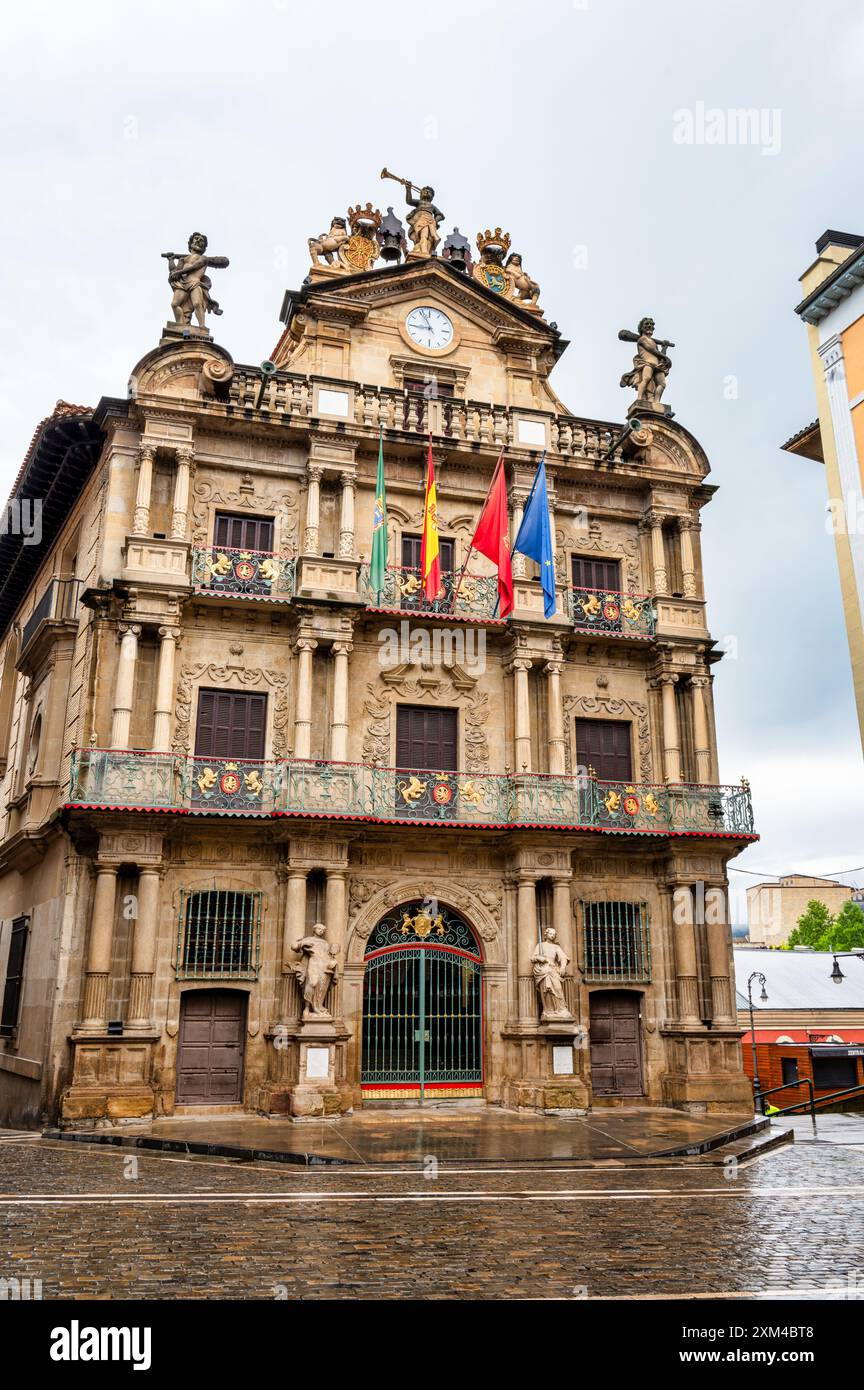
x=429, y=328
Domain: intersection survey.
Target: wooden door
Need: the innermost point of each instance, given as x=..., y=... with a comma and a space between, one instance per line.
x=604, y=744
x=244, y=532
x=230, y=724
x=616, y=1043
x=426, y=738
x=210, y=1047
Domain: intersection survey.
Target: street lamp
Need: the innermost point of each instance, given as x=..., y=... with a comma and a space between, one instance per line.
x=763, y=999
x=836, y=973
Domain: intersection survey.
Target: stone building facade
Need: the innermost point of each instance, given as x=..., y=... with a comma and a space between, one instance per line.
x=215, y=736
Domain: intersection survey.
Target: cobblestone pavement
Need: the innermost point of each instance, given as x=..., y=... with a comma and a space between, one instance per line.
x=105, y=1223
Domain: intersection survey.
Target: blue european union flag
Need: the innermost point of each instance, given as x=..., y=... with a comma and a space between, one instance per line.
x=535, y=537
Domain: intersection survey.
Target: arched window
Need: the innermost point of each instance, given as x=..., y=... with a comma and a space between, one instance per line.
x=219, y=935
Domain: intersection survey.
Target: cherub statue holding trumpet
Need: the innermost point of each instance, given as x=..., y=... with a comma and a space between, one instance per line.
x=423, y=220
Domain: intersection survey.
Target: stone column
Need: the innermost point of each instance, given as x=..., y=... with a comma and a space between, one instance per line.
x=141, y=519
x=658, y=555
x=671, y=740
x=303, y=703
x=293, y=927
x=99, y=949
x=718, y=961
x=336, y=908
x=144, y=941
x=346, y=518
x=562, y=917
x=181, y=494
x=688, y=563
x=518, y=563
x=124, y=685
x=686, y=969
x=555, y=718
x=169, y=637
x=522, y=719
x=701, y=738
x=339, y=724
x=313, y=508
x=526, y=930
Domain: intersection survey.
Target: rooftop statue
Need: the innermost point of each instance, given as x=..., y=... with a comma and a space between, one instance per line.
x=651, y=366
x=188, y=278
x=424, y=219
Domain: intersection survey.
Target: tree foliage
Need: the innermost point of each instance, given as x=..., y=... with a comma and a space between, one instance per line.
x=822, y=931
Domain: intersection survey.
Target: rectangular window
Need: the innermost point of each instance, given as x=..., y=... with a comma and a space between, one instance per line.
x=231, y=724
x=834, y=1073
x=218, y=935
x=616, y=941
x=429, y=387
x=426, y=738
x=411, y=547
x=14, y=977
x=788, y=1071
x=604, y=744
x=238, y=532
x=591, y=573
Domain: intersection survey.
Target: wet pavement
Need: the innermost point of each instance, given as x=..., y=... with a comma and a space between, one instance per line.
x=98, y=1222
x=452, y=1135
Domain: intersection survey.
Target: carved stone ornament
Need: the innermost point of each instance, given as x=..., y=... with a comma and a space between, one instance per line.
x=190, y=283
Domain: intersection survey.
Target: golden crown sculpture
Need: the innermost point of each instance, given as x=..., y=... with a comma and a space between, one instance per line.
x=364, y=220
x=496, y=239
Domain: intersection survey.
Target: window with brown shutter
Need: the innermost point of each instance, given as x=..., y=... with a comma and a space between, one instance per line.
x=591, y=573
x=426, y=738
x=604, y=744
x=411, y=547
x=239, y=532
x=230, y=724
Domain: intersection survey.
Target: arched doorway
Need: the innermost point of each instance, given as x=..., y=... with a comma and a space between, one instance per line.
x=422, y=1007
x=210, y=1047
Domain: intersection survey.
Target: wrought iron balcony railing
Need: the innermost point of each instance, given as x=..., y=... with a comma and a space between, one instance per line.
x=59, y=601
x=620, y=615
x=238, y=573
x=473, y=596
x=114, y=778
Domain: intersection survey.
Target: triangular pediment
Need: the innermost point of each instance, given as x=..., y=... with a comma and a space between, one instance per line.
x=457, y=289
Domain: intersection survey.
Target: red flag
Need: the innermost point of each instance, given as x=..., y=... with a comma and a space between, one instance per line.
x=492, y=537
x=430, y=561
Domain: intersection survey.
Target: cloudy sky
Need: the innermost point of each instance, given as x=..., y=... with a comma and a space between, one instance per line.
x=126, y=126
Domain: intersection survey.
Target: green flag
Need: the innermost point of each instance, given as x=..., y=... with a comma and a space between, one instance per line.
x=378, y=567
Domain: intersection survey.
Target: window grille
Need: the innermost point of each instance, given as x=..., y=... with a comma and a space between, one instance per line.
x=616, y=941
x=219, y=935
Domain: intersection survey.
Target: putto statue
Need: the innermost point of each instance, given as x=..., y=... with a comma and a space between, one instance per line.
x=651, y=366
x=316, y=972
x=424, y=219
x=188, y=278
x=549, y=963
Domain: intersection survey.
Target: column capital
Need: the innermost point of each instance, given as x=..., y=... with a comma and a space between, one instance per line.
x=700, y=682
x=348, y=477
x=314, y=472
x=553, y=668
x=521, y=663
x=184, y=453
x=305, y=644
x=170, y=634
x=653, y=517
x=134, y=628
x=146, y=451
x=342, y=648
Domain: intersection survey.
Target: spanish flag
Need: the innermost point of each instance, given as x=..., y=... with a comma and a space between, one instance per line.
x=430, y=563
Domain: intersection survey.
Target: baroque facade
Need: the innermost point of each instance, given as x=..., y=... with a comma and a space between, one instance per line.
x=215, y=737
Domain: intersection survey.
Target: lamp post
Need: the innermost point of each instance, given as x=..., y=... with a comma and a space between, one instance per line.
x=763, y=999
x=836, y=973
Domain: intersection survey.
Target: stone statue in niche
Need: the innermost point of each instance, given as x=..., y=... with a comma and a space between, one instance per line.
x=188, y=278
x=549, y=964
x=316, y=972
x=651, y=366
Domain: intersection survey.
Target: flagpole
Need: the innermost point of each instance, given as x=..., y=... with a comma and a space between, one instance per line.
x=528, y=499
x=458, y=586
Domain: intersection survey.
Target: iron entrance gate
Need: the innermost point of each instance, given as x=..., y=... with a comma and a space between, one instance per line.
x=422, y=1008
